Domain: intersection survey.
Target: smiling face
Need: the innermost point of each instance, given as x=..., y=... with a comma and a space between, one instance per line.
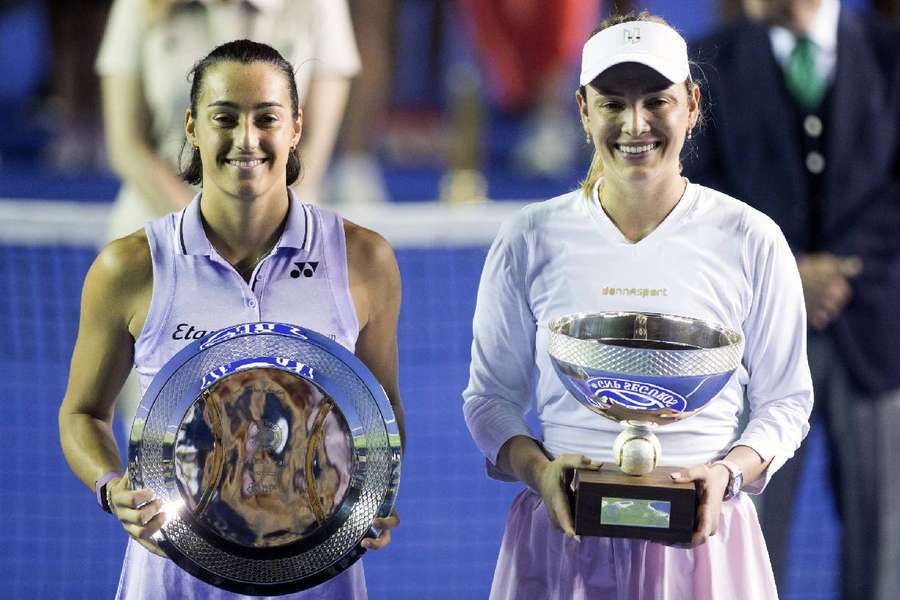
x=638, y=122
x=244, y=129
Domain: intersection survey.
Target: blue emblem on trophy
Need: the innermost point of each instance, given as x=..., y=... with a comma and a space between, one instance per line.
x=634, y=394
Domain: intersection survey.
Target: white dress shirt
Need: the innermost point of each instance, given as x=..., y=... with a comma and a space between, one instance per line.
x=823, y=32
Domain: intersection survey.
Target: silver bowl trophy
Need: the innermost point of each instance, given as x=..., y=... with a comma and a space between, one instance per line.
x=642, y=370
x=273, y=449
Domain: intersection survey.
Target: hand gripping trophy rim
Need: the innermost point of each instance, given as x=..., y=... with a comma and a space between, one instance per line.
x=314, y=361
x=643, y=369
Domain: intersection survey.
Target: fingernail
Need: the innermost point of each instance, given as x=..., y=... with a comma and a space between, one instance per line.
x=577, y=538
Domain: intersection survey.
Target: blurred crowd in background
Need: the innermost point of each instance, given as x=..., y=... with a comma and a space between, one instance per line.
x=457, y=87
x=433, y=76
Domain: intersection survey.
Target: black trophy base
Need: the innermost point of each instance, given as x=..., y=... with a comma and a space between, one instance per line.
x=610, y=503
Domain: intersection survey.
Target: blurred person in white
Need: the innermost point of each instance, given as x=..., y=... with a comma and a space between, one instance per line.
x=149, y=47
x=147, y=51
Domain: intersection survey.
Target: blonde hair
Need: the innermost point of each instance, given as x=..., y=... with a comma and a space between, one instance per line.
x=595, y=170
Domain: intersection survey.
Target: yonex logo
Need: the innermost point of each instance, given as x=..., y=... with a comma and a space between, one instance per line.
x=632, y=35
x=307, y=269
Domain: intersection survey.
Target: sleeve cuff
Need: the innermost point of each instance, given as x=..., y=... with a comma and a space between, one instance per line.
x=765, y=452
x=491, y=427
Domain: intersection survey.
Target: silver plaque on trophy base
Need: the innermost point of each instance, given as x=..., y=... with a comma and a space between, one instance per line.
x=643, y=370
x=273, y=449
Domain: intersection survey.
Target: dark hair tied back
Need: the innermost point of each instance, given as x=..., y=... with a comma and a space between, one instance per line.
x=244, y=52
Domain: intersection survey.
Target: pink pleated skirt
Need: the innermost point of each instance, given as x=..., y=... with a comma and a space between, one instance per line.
x=538, y=562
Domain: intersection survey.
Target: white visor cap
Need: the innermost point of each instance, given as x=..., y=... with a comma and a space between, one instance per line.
x=652, y=44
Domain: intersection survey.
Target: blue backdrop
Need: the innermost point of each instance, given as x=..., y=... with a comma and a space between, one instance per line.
x=58, y=544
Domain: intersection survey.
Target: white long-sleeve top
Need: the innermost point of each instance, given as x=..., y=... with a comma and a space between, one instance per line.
x=712, y=258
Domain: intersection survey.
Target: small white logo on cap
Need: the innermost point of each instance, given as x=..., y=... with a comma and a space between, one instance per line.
x=648, y=43
x=632, y=35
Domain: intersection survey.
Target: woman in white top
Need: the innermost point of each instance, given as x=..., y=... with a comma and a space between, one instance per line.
x=637, y=236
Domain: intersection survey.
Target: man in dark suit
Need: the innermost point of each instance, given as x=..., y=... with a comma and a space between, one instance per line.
x=802, y=110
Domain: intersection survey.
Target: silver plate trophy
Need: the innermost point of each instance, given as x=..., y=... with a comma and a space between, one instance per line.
x=642, y=370
x=273, y=449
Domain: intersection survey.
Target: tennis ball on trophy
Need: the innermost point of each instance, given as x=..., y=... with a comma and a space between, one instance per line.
x=636, y=453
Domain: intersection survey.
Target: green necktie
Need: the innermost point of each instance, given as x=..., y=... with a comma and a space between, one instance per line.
x=802, y=78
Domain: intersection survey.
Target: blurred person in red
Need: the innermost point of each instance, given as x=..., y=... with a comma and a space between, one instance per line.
x=529, y=50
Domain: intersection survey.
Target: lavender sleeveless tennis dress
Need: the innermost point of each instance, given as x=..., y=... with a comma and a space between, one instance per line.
x=303, y=280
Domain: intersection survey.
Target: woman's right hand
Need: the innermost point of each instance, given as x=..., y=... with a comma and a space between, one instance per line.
x=141, y=515
x=551, y=479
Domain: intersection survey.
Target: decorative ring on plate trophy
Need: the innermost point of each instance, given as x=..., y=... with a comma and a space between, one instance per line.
x=273, y=449
x=643, y=370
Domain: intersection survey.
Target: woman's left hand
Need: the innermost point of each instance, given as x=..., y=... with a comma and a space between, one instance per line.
x=384, y=538
x=710, y=481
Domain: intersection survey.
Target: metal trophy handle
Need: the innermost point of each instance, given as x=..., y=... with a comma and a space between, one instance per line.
x=643, y=370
